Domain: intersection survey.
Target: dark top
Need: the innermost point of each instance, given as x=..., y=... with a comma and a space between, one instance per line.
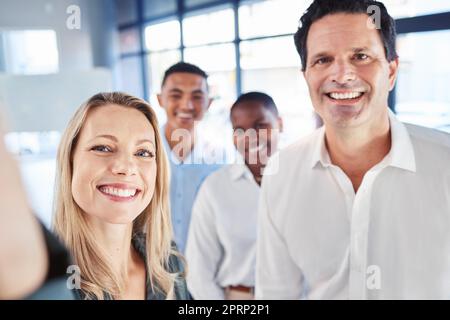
x=55, y=285
x=175, y=266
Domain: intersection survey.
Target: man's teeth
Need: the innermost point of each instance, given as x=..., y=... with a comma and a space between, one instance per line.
x=118, y=192
x=347, y=95
x=184, y=115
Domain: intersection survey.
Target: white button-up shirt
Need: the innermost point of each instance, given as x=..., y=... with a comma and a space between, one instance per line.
x=317, y=239
x=221, y=247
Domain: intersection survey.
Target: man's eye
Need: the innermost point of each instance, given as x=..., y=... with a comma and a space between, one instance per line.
x=175, y=97
x=322, y=60
x=361, y=56
x=145, y=153
x=101, y=148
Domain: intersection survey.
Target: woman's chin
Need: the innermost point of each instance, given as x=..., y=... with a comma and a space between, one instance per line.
x=117, y=217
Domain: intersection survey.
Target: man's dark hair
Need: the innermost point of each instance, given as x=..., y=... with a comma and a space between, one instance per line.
x=320, y=8
x=260, y=97
x=183, y=67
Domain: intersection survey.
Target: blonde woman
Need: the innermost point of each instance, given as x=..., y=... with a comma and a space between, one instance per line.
x=112, y=202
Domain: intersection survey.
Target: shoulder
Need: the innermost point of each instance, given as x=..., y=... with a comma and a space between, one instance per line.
x=431, y=148
x=217, y=176
x=211, y=182
x=294, y=157
x=431, y=137
x=176, y=260
x=177, y=266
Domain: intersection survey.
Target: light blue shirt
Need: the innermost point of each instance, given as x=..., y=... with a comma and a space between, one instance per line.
x=185, y=180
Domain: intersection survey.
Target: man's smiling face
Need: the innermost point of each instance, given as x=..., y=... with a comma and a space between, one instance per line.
x=348, y=75
x=184, y=97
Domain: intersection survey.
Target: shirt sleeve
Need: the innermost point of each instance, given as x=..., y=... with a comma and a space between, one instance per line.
x=204, y=251
x=55, y=285
x=277, y=275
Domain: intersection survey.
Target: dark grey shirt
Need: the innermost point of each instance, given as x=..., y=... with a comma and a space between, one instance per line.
x=55, y=285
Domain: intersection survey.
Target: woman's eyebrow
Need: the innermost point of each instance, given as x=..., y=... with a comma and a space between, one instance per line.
x=106, y=136
x=113, y=138
x=145, y=140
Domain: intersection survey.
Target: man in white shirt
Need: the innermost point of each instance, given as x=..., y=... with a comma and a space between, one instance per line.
x=361, y=208
x=221, y=246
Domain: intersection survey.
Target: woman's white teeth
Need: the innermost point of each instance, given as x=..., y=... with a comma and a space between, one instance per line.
x=118, y=192
x=347, y=95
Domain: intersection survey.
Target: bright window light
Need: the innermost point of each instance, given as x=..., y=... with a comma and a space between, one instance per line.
x=217, y=26
x=163, y=36
x=31, y=51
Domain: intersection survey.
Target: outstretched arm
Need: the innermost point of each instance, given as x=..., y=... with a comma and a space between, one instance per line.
x=23, y=255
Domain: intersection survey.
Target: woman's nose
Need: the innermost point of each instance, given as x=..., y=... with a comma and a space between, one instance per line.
x=124, y=165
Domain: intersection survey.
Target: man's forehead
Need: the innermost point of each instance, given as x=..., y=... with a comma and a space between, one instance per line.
x=341, y=30
x=184, y=79
x=341, y=21
x=251, y=110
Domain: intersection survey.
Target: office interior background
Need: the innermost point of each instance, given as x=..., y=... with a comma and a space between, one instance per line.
x=48, y=67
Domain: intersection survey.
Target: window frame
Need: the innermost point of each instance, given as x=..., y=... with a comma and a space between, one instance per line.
x=421, y=23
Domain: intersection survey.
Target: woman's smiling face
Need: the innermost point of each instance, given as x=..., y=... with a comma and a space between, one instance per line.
x=114, y=164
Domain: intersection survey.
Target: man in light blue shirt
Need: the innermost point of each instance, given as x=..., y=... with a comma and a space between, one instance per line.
x=185, y=98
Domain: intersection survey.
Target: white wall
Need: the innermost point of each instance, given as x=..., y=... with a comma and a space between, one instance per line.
x=93, y=45
x=46, y=102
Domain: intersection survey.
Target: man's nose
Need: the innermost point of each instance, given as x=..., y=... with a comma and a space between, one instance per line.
x=342, y=72
x=187, y=104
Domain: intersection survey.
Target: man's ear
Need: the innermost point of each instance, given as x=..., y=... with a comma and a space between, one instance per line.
x=303, y=72
x=393, y=72
x=209, y=103
x=280, y=124
x=159, y=97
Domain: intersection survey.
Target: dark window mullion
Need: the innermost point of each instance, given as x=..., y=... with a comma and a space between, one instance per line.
x=237, y=42
x=140, y=6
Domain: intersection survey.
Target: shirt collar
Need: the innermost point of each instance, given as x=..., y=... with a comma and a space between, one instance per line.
x=320, y=153
x=402, y=151
x=239, y=169
x=401, y=154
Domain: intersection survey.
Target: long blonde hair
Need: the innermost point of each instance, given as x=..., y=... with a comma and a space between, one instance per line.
x=70, y=224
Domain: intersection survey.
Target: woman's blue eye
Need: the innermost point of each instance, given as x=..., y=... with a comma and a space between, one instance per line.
x=145, y=154
x=101, y=149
